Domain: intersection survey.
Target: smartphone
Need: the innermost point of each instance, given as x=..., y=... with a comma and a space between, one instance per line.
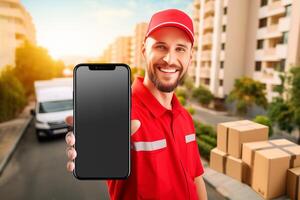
x=102, y=121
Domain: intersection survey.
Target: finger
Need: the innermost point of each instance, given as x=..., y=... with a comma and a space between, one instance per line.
x=69, y=120
x=70, y=166
x=70, y=138
x=71, y=153
x=135, y=125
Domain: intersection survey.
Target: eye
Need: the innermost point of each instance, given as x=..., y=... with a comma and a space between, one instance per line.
x=180, y=49
x=161, y=47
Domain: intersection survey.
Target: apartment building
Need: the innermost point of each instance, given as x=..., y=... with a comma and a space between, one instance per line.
x=136, y=59
x=257, y=38
x=15, y=26
x=120, y=50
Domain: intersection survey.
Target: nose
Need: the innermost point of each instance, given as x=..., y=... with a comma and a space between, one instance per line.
x=170, y=58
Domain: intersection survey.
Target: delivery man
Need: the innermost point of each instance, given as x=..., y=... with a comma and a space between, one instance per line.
x=165, y=161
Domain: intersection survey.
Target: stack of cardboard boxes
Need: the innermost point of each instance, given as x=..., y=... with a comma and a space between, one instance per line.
x=270, y=167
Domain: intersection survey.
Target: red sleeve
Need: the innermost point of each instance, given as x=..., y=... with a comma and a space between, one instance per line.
x=197, y=161
x=197, y=164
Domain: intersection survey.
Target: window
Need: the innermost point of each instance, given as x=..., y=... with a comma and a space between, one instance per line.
x=225, y=11
x=207, y=81
x=222, y=65
x=19, y=36
x=223, y=46
x=288, y=10
x=281, y=65
x=257, y=66
x=224, y=28
x=260, y=44
x=262, y=23
x=285, y=36
x=263, y=3
x=220, y=82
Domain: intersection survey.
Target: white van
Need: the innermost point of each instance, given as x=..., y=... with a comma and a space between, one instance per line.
x=54, y=101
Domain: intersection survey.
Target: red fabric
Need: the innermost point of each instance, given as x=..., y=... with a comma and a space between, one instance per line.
x=171, y=17
x=165, y=173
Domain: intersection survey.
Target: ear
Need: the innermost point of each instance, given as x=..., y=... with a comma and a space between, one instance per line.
x=191, y=54
x=143, y=50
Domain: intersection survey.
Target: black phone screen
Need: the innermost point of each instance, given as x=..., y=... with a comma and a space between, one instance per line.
x=102, y=121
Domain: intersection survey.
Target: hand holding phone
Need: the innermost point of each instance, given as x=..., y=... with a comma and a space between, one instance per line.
x=70, y=141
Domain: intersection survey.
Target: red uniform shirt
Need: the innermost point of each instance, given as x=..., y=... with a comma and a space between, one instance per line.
x=164, y=153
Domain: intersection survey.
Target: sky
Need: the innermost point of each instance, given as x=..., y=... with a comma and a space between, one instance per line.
x=86, y=27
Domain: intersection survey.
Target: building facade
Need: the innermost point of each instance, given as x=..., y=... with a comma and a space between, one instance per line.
x=137, y=59
x=257, y=38
x=15, y=26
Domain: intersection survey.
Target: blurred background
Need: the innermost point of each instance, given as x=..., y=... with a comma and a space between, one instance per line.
x=246, y=65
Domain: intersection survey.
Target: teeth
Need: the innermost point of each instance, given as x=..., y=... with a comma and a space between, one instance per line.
x=168, y=70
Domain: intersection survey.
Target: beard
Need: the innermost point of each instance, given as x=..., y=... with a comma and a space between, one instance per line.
x=152, y=72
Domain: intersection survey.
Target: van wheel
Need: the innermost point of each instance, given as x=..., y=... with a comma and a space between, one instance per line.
x=39, y=137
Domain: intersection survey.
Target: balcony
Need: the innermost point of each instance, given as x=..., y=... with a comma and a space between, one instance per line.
x=281, y=51
x=284, y=24
x=196, y=14
x=220, y=92
x=275, y=8
x=207, y=39
x=225, y=3
x=204, y=72
x=271, y=31
x=259, y=54
x=270, y=55
x=208, y=23
x=272, y=75
x=206, y=55
x=223, y=37
x=221, y=74
x=224, y=19
x=286, y=2
x=197, y=4
x=209, y=7
x=222, y=55
x=268, y=76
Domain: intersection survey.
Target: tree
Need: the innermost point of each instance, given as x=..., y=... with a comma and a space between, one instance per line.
x=246, y=93
x=295, y=95
x=12, y=94
x=188, y=82
x=34, y=63
x=264, y=120
x=203, y=95
x=285, y=112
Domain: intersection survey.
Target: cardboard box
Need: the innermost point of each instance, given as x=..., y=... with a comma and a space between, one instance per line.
x=236, y=168
x=246, y=133
x=250, y=148
x=218, y=160
x=293, y=186
x=269, y=172
x=294, y=151
x=248, y=156
x=223, y=130
x=222, y=134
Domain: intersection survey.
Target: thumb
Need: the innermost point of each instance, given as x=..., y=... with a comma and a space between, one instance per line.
x=135, y=125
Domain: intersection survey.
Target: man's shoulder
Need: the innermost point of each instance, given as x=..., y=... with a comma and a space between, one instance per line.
x=137, y=107
x=186, y=114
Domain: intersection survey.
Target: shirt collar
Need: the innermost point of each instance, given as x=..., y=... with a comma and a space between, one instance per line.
x=151, y=103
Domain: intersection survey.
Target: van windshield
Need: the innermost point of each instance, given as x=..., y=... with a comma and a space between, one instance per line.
x=55, y=106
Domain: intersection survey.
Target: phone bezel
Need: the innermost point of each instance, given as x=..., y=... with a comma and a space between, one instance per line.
x=102, y=66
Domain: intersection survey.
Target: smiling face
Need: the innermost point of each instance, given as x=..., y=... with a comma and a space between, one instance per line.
x=168, y=53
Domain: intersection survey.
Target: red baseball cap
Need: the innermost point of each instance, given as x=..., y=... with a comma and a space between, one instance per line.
x=174, y=18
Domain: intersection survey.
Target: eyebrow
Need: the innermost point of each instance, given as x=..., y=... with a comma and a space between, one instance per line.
x=181, y=45
x=160, y=43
